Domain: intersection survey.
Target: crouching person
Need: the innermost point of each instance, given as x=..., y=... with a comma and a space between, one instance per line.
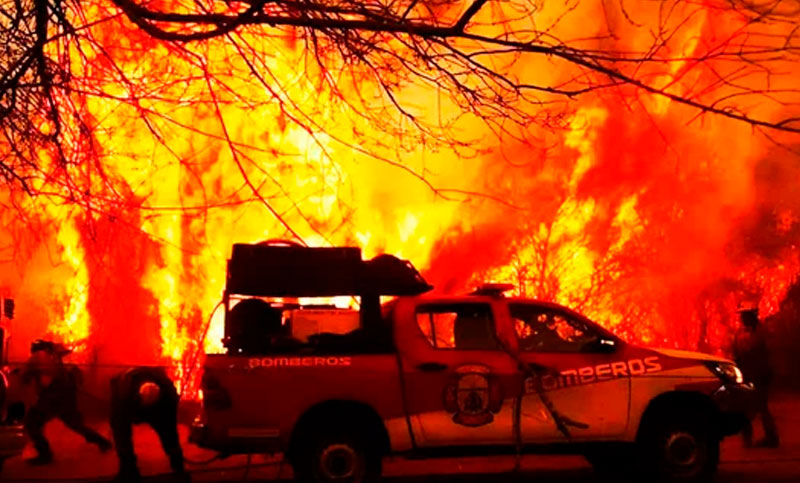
x=57, y=397
x=145, y=395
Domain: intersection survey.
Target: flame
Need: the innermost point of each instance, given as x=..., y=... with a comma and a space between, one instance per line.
x=623, y=210
x=73, y=326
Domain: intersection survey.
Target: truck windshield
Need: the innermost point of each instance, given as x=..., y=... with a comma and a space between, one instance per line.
x=548, y=329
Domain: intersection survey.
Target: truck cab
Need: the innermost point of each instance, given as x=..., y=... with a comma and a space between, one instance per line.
x=424, y=375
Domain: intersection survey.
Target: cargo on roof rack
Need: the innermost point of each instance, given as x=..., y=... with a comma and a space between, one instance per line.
x=286, y=269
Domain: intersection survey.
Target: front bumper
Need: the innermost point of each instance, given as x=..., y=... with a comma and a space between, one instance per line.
x=12, y=440
x=736, y=403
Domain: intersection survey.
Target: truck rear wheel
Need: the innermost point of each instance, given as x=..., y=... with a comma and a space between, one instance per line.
x=680, y=447
x=337, y=456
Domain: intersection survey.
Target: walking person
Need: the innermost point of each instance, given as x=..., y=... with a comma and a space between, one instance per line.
x=751, y=354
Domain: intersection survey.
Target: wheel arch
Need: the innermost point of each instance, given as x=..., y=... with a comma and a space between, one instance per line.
x=672, y=402
x=337, y=412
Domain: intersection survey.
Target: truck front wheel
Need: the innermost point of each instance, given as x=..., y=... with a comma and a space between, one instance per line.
x=337, y=456
x=680, y=447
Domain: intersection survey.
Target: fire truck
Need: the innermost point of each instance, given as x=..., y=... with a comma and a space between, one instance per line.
x=12, y=438
x=413, y=374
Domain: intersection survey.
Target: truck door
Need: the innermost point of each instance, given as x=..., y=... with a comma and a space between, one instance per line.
x=459, y=383
x=580, y=374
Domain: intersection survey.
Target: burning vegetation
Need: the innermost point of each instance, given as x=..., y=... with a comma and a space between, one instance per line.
x=637, y=161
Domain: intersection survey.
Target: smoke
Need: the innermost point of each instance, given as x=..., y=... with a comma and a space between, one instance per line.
x=652, y=226
x=773, y=224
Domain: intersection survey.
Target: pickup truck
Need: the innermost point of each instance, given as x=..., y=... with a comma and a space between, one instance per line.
x=428, y=376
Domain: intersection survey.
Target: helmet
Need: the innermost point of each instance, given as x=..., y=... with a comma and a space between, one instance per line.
x=747, y=306
x=149, y=393
x=55, y=348
x=748, y=314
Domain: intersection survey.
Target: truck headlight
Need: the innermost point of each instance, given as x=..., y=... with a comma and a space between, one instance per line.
x=727, y=372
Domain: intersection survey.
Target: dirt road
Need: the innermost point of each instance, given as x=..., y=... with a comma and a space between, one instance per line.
x=78, y=461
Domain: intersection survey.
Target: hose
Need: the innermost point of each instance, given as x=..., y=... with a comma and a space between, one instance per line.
x=218, y=456
x=536, y=372
x=199, y=348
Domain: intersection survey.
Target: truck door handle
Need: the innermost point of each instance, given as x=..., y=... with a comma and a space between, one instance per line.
x=432, y=367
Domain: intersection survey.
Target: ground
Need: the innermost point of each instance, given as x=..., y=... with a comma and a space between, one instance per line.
x=78, y=461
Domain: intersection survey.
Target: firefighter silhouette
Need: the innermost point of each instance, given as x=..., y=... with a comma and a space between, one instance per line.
x=474, y=395
x=751, y=354
x=145, y=395
x=57, y=397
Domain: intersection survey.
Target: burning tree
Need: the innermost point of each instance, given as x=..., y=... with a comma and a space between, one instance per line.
x=59, y=53
x=610, y=145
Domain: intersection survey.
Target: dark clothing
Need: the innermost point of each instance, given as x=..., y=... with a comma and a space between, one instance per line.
x=767, y=421
x=162, y=416
x=57, y=385
x=752, y=356
x=65, y=409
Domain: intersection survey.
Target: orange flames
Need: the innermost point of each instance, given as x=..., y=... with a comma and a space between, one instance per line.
x=632, y=211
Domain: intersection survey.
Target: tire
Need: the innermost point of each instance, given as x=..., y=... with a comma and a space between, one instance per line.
x=680, y=447
x=337, y=456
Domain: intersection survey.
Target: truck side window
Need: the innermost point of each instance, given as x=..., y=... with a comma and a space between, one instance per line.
x=541, y=329
x=458, y=326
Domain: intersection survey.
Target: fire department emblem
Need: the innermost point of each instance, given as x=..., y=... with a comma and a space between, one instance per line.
x=474, y=395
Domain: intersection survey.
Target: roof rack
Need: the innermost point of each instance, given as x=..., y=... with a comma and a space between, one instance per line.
x=493, y=289
x=284, y=268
